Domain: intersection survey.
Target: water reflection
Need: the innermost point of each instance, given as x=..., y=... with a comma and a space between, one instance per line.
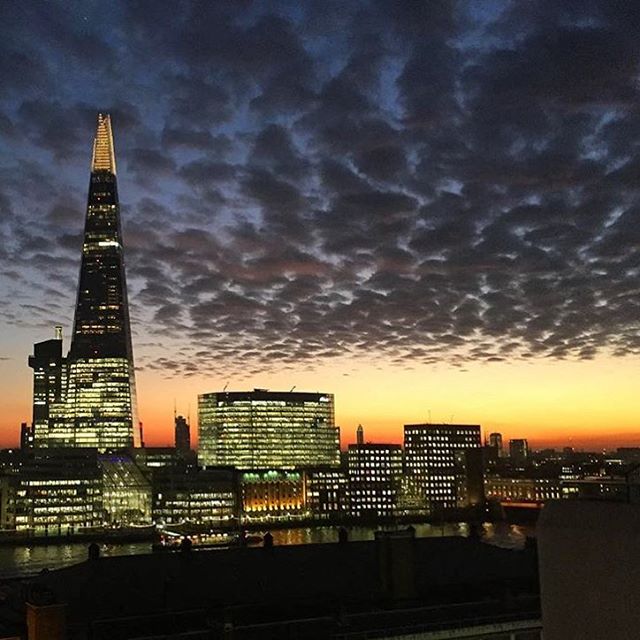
x=26, y=560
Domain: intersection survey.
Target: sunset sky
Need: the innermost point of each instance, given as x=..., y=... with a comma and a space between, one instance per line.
x=429, y=209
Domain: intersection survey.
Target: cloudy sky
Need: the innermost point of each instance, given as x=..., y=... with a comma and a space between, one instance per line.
x=428, y=208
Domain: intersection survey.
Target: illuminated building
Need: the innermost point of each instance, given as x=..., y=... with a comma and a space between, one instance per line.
x=157, y=457
x=207, y=496
x=99, y=400
x=49, y=385
x=126, y=492
x=522, y=489
x=430, y=458
x=271, y=495
x=182, y=434
x=267, y=430
x=53, y=495
x=519, y=452
x=374, y=472
x=326, y=492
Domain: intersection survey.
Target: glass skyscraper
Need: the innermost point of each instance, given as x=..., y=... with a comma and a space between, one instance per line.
x=99, y=407
x=267, y=430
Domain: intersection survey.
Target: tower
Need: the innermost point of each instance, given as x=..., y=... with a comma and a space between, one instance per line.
x=182, y=434
x=360, y=434
x=100, y=403
x=49, y=384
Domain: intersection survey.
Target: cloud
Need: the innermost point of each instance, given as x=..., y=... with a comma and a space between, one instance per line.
x=417, y=181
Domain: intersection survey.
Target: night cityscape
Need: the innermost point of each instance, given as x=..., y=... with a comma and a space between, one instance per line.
x=308, y=228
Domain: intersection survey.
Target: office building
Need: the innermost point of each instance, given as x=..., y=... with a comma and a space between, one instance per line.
x=26, y=436
x=49, y=386
x=158, y=457
x=202, y=496
x=126, y=491
x=470, y=466
x=495, y=441
x=374, y=472
x=522, y=490
x=519, y=452
x=430, y=459
x=327, y=492
x=182, y=434
x=89, y=399
x=267, y=430
x=270, y=495
x=53, y=494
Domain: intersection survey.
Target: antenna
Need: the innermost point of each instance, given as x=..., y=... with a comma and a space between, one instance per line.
x=225, y=387
x=175, y=411
x=292, y=388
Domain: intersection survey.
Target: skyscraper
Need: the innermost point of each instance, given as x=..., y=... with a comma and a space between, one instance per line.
x=49, y=385
x=182, y=434
x=99, y=407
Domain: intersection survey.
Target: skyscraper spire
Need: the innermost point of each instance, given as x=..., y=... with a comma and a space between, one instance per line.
x=104, y=157
x=100, y=404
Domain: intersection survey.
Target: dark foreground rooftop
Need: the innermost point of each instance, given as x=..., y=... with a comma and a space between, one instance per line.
x=311, y=591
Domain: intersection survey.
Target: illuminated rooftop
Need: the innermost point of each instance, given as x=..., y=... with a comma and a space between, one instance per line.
x=104, y=158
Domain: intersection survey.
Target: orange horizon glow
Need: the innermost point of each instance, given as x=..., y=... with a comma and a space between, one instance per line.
x=590, y=404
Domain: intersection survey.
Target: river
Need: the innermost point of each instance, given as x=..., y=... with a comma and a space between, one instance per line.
x=29, y=560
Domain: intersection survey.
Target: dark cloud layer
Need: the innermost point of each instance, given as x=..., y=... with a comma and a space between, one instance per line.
x=412, y=181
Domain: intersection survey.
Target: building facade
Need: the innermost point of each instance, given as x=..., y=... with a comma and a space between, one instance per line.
x=270, y=495
x=523, y=490
x=202, y=496
x=49, y=387
x=126, y=491
x=182, y=435
x=327, y=492
x=53, y=494
x=430, y=460
x=267, y=430
x=374, y=472
x=519, y=452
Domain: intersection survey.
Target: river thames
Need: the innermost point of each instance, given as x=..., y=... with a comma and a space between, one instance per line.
x=30, y=560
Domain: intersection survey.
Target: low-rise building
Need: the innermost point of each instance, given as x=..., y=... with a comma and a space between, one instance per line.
x=270, y=495
x=126, y=491
x=522, y=489
x=199, y=496
x=54, y=492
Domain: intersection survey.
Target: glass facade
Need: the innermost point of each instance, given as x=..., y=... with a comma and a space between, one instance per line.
x=126, y=492
x=53, y=495
x=99, y=403
x=201, y=496
x=267, y=430
x=49, y=385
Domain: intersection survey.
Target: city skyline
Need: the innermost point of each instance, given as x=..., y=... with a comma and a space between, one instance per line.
x=464, y=245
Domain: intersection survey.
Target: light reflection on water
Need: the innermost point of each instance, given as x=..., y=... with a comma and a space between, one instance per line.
x=29, y=560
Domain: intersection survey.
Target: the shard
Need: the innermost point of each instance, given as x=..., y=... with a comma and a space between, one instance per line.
x=99, y=404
